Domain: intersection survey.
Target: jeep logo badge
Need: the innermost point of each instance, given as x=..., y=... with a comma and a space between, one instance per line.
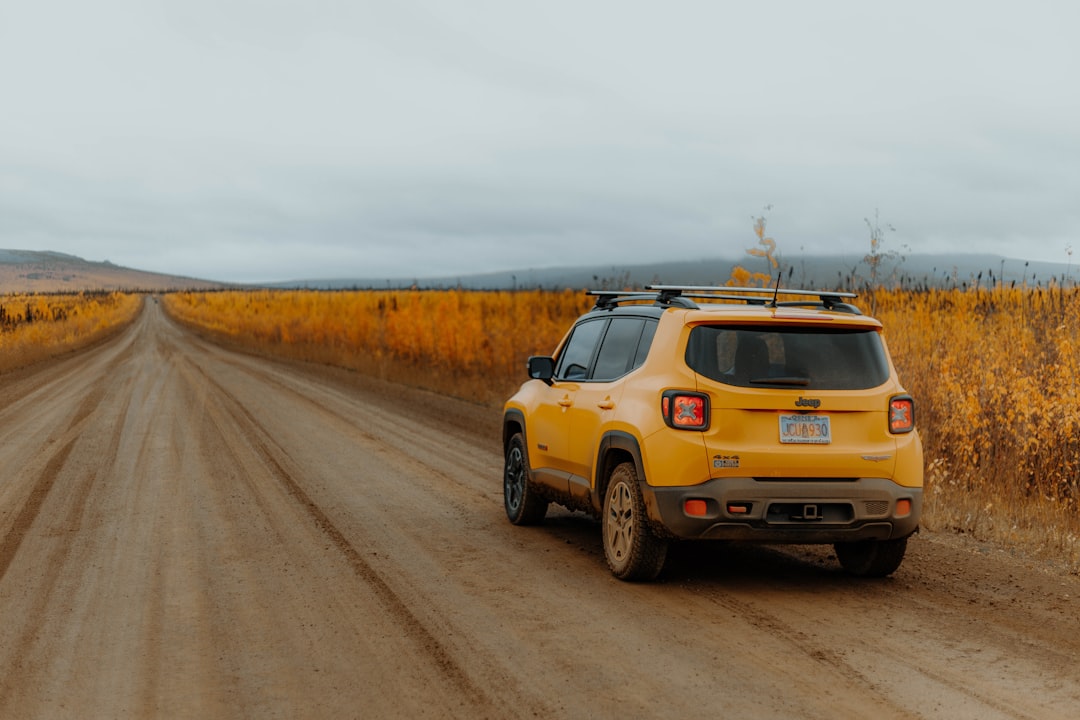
x=807, y=402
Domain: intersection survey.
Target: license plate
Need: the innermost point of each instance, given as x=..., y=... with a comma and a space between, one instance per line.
x=812, y=429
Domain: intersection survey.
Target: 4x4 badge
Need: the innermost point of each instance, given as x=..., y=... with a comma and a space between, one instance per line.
x=725, y=461
x=808, y=402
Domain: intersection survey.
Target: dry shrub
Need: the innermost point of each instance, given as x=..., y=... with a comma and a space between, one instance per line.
x=995, y=377
x=472, y=345
x=39, y=326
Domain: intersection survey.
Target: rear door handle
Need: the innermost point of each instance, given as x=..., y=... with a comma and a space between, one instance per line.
x=606, y=404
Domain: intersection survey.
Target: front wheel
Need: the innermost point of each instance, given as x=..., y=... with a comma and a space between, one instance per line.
x=871, y=558
x=632, y=551
x=524, y=506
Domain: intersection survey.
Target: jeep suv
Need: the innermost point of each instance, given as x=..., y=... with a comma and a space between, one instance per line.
x=745, y=414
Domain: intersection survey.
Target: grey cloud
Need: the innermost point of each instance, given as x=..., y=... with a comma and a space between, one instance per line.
x=264, y=141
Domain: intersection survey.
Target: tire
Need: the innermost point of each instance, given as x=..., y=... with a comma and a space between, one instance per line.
x=524, y=505
x=871, y=558
x=632, y=551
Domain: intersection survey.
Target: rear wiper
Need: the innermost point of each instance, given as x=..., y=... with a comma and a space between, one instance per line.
x=781, y=381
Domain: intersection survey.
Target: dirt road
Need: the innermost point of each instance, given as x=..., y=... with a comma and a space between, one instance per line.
x=190, y=532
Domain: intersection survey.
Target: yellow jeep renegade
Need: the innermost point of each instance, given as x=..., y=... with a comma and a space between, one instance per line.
x=723, y=413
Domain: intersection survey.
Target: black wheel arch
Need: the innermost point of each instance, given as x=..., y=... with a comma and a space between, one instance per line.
x=513, y=422
x=618, y=447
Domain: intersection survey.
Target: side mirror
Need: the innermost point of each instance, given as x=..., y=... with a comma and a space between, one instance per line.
x=542, y=368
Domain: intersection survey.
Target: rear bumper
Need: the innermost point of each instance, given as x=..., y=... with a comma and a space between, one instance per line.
x=788, y=511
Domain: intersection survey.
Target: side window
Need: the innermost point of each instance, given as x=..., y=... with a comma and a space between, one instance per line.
x=576, y=356
x=619, y=349
x=645, y=343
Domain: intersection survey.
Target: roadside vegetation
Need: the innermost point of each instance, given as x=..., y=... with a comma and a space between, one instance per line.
x=996, y=377
x=472, y=345
x=35, y=327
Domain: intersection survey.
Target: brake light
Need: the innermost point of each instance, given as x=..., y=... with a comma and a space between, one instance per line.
x=901, y=414
x=685, y=410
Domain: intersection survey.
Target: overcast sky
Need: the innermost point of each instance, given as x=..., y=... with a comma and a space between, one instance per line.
x=262, y=140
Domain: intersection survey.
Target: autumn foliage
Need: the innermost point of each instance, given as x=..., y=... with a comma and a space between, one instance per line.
x=34, y=327
x=469, y=344
x=765, y=250
x=995, y=373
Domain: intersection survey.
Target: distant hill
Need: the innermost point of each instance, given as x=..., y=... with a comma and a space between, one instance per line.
x=35, y=271
x=832, y=271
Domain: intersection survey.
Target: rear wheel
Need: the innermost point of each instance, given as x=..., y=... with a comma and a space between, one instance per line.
x=871, y=558
x=524, y=506
x=632, y=551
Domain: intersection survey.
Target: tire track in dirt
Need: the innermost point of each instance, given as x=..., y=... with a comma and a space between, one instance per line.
x=41, y=488
x=772, y=625
x=392, y=430
x=976, y=692
x=13, y=539
x=906, y=655
x=277, y=459
x=77, y=497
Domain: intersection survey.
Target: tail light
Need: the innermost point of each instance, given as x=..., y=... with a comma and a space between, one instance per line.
x=685, y=410
x=901, y=414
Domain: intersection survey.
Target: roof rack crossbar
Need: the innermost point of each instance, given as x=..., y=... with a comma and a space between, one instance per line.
x=759, y=291
x=607, y=299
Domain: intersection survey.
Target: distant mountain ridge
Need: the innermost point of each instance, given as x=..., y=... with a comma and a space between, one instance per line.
x=823, y=271
x=28, y=271
x=44, y=271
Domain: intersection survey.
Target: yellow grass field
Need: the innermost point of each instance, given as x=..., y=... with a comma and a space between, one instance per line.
x=472, y=345
x=994, y=373
x=38, y=326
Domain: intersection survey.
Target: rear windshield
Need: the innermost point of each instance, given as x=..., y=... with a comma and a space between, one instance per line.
x=797, y=357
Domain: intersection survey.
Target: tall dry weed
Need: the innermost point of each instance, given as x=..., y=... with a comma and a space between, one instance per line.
x=469, y=344
x=39, y=326
x=995, y=375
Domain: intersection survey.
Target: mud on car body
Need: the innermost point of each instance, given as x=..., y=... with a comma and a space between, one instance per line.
x=683, y=413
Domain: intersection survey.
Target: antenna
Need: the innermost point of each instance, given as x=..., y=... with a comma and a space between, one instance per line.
x=776, y=290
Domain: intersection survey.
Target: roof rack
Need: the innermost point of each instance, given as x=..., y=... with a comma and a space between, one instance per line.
x=684, y=296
